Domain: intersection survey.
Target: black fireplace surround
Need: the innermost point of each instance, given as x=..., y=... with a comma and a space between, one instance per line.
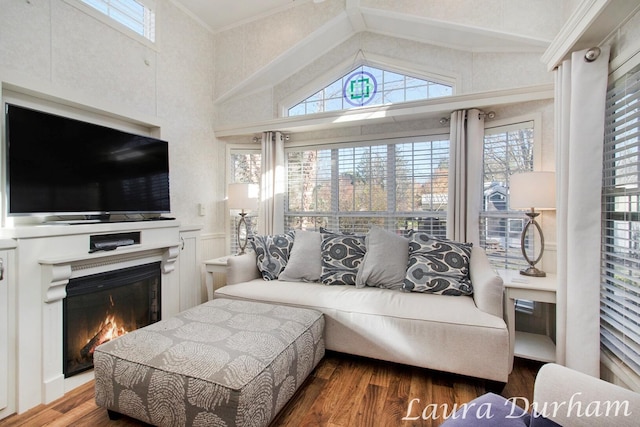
x=102, y=306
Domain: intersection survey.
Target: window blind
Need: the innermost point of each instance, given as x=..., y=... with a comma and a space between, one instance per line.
x=620, y=284
x=136, y=15
x=398, y=186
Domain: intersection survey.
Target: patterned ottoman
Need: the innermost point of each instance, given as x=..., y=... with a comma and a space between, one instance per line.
x=223, y=363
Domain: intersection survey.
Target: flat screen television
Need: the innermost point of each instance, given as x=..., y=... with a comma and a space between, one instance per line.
x=61, y=166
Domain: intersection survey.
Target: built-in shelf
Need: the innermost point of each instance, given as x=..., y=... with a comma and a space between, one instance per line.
x=534, y=346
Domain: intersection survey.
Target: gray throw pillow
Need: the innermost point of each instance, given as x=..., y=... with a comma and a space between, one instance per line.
x=385, y=261
x=272, y=253
x=438, y=266
x=305, y=261
x=342, y=254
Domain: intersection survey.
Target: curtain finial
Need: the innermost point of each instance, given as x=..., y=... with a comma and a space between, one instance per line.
x=592, y=54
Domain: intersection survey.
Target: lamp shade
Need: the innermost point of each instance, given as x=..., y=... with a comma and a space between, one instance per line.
x=242, y=196
x=529, y=190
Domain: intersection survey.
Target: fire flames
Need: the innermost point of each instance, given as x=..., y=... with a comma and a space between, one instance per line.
x=108, y=330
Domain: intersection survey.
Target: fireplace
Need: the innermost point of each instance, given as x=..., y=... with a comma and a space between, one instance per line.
x=103, y=306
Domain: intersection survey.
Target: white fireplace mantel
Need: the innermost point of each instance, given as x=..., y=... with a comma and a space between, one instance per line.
x=56, y=272
x=47, y=258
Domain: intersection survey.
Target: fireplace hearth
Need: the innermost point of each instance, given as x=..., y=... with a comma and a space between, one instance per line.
x=101, y=307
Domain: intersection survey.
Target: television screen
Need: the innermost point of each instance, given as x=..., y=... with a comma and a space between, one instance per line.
x=57, y=165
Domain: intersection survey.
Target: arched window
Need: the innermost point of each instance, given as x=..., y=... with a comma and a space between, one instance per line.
x=369, y=86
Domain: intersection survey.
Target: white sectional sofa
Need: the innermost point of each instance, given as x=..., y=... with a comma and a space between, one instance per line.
x=465, y=335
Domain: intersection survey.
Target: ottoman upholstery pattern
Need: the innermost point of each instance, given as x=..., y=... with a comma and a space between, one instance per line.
x=223, y=363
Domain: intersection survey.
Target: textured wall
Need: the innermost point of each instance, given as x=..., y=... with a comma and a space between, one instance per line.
x=62, y=47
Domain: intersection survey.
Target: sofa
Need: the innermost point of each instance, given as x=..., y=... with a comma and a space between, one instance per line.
x=561, y=397
x=371, y=306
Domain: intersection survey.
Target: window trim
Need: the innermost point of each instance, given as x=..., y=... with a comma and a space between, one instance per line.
x=105, y=19
x=233, y=148
x=514, y=123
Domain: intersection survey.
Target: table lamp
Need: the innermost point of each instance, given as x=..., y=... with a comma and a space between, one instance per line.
x=531, y=191
x=244, y=197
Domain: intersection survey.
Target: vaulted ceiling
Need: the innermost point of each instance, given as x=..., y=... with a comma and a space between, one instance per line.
x=443, y=30
x=466, y=25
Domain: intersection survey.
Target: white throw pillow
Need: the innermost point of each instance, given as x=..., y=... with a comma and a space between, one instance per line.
x=305, y=261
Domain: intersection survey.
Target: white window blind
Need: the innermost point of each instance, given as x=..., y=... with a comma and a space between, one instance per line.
x=398, y=186
x=507, y=150
x=620, y=287
x=136, y=15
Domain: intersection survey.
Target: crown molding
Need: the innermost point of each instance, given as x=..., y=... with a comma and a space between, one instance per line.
x=589, y=25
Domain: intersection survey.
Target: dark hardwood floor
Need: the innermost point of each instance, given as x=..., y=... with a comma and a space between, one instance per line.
x=343, y=391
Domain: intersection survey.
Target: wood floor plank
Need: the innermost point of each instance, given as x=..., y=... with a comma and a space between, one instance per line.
x=301, y=403
x=397, y=398
x=371, y=404
x=324, y=406
x=420, y=395
x=79, y=412
x=353, y=392
x=343, y=391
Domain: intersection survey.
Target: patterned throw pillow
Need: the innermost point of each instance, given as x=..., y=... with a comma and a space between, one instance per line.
x=438, y=266
x=342, y=254
x=272, y=253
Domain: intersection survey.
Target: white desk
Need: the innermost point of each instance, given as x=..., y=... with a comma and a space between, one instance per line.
x=215, y=266
x=539, y=289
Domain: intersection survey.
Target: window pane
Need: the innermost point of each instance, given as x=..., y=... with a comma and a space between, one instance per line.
x=298, y=110
x=244, y=166
x=369, y=86
x=398, y=187
x=129, y=13
x=417, y=93
x=437, y=90
x=333, y=104
x=506, y=151
x=393, y=96
x=334, y=90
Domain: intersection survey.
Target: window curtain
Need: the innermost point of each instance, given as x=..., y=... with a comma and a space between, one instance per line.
x=465, y=176
x=580, y=102
x=271, y=218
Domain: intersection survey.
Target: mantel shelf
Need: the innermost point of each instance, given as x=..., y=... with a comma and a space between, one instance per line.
x=118, y=252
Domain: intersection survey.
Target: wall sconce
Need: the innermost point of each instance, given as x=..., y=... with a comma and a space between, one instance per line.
x=245, y=198
x=532, y=190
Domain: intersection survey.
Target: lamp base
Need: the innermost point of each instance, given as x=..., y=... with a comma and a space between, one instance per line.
x=241, y=233
x=533, y=272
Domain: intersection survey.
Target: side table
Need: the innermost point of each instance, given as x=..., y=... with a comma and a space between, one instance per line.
x=539, y=289
x=213, y=267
